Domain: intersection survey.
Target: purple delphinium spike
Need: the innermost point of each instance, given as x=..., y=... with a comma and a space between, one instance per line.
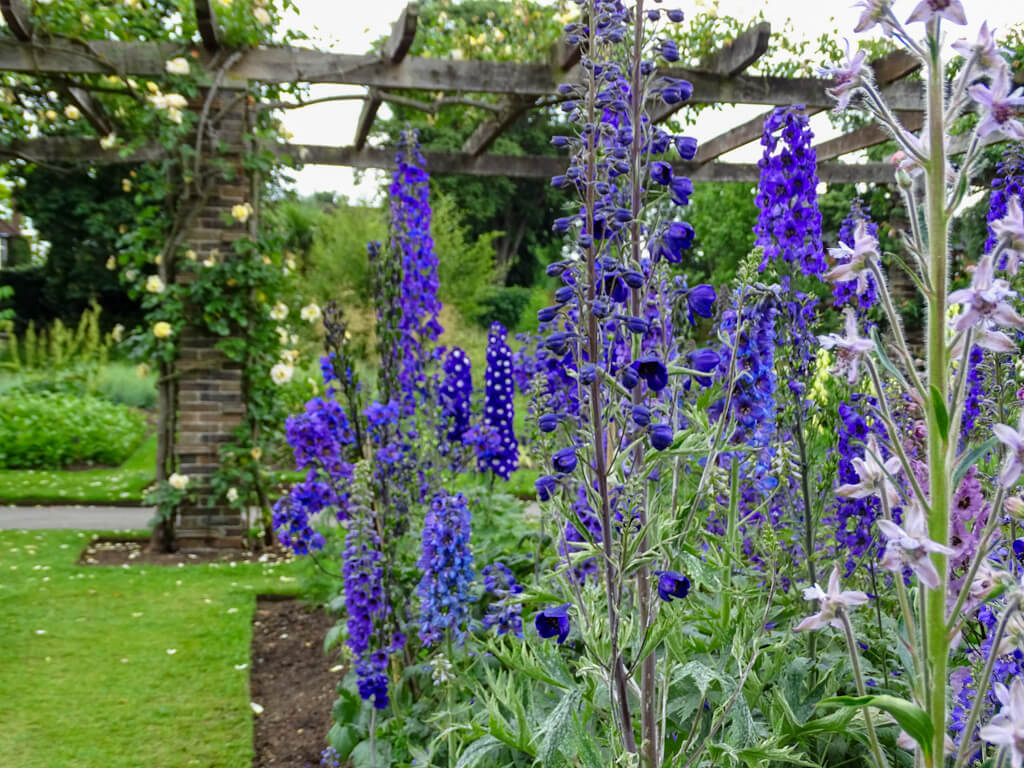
x=504, y=614
x=447, y=566
x=499, y=410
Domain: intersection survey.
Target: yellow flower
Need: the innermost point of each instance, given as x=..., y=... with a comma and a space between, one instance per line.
x=50, y=114
x=241, y=212
x=111, y=263
x=267, y=260
x=126, y=185
x=153, y=87
x=279, y=311
x=289, y=355
x=117, y=333
x=231, y=282
x=154, y=284
x=108, y=141
x=177, y=66
x=130, y=275
x=72, y=112
x=142, y=370
x=158, y=259
x=210, y=261
x=190, y=255
x=162, y=329
x=311, y=312
x=262, y=16
x=256, y=453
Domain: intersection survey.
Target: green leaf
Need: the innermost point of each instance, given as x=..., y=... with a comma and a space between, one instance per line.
x=583, y=745
x=912, y=718
x=333, y=634
x=343, y=738
x=556, y=727
x=883, y=358
x=971, y=458
x=477, y=750
x=941, y=414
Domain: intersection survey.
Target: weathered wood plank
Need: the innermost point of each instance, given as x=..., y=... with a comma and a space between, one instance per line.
x=487, y=132
x=88, y=151
x=206, y=20
x=287, y=64
x=888, y=69
x=91, y=110
x=403, y=32
x=865, y=137
x=18, y=18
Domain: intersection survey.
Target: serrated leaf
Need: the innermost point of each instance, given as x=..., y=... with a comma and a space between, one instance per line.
x=477, y=750
x=583, y=745
x=759, y=755
x=912, y=718
x=742, y=730
x=702, y=675
x=555, y=727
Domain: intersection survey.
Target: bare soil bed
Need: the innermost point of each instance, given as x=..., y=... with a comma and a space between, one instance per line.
x=124, y=551
x=291, y=679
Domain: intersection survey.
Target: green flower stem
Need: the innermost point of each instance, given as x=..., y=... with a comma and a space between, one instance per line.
x=939, y=446
x=851, y=646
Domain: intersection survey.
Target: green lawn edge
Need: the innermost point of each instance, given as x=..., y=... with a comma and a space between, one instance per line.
x=125, y=484
x=88, y=676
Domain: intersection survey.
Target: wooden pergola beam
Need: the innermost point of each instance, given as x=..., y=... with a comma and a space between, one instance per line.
x=887, y=69
x=91, y=109
x=206, y=20
x=18, y=18
x=403, y=32
x=729, y=60
x=53, y=150
x=865, y=137
x=287, y=64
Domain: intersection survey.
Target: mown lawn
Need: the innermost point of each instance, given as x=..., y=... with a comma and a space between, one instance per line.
x=139, y=666
x=118, y=485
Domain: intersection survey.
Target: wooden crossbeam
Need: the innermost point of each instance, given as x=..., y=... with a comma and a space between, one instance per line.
x=18, y=18
x=729, y=60
x=91, y=109
x=73, y=150
x=868, y=136
x=887, y=69
x=206, y=20
x=403, y=32
x=287, y=64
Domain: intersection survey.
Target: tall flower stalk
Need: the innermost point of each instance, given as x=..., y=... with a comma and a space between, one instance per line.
x=933, y=193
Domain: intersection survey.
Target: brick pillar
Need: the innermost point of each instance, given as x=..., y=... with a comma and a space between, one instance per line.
x=210, y=402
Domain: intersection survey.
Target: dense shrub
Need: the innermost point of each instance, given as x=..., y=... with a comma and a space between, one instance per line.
x=503, y=305
x=121, y=383
x=45, y=431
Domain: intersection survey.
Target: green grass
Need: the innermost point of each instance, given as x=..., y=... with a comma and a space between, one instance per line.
x=91, y=486
x=86, y=675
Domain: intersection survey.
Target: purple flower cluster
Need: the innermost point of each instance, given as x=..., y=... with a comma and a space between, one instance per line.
x=499, y=410
x=854, y=518
x=447, y=566
x=319, y=438
x=365, y=600
x=505, y=613
x=975, y=393
x=1007, y=184
x=844, y=292
x=412, y=243
x=789, y=223
x=455, y=394
x=573, y=537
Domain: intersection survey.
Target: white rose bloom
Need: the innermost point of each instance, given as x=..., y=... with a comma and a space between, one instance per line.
x=178, y=66
x=117, y=333
x=242, y=212
x=154, y=284
x=262, y=16
x=108, y=141
x=311, y=312
x=72, y=112
x=232, y=495
x=178, y=482
x=281, y=373
x=279, y=311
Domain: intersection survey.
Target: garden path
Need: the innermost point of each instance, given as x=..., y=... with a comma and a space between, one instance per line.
x=76, y=517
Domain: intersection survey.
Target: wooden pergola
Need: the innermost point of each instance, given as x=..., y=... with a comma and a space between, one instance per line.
x=720, y=78
x=210, y=387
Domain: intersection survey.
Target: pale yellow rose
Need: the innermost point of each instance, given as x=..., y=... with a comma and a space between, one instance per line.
x=154, y=284
x=162, y=329
x=177, y=66
x=178, y=482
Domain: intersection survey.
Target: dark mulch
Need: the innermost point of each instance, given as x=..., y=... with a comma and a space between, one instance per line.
x=105, y=550
x=292, y=680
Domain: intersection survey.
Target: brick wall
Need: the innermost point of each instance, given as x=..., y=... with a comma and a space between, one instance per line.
x=210, y=403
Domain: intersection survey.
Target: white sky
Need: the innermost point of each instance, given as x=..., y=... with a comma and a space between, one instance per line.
x=350, y=26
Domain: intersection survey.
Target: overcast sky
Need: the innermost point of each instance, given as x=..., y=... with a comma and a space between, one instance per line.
x=350, y=26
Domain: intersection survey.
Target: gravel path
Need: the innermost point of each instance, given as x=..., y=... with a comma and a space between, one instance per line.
x=77, y=518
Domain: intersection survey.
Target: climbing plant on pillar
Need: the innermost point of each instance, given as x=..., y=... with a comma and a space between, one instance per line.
x=196, y=257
